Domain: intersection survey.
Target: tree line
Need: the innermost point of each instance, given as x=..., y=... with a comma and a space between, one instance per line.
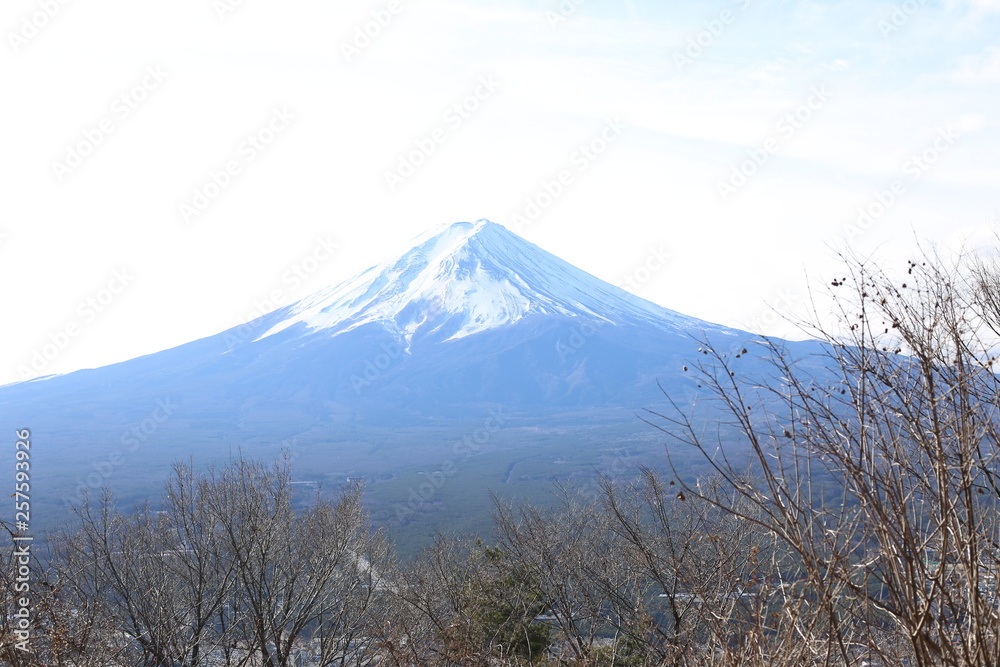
x=858, y=527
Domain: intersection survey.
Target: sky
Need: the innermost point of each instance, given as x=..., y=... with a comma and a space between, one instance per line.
x=171, y=170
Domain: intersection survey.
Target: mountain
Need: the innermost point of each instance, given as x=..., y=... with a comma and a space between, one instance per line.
x=472, y=314
x=469, y=278
x=471, y=321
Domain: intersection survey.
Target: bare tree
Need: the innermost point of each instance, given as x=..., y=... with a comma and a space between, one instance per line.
x=22, y=627
x=308, y=581
x=875, y=469
x=462, y=602
x=571, y=553
x=711, y=577
x=119, y=564
x=226, y=573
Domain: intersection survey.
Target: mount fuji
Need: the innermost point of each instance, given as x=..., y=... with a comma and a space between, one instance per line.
x=469, y=278
x=471, y=321
x=471, y=315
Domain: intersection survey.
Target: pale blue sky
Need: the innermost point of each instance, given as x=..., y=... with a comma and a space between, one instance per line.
x=698, y=90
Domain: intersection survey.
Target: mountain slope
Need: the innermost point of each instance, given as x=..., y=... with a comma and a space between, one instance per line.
x=471, y=315
x=387, y=370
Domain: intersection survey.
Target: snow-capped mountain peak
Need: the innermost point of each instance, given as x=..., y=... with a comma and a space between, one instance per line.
x=464, y=278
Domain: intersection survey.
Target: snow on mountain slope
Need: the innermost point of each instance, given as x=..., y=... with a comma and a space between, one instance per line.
x=466, y=278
